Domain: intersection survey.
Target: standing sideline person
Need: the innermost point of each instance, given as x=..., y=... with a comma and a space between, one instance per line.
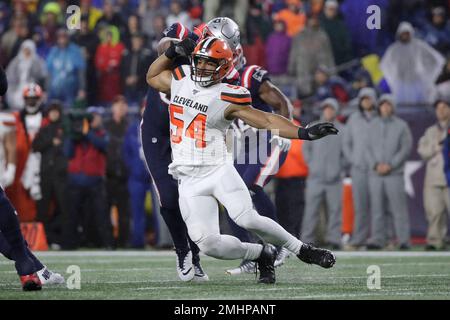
x=389, y=145
x=326, y=164
x=435, y=192
x=355, y=144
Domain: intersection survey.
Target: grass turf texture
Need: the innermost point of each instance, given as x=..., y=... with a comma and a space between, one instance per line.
x=152, y=275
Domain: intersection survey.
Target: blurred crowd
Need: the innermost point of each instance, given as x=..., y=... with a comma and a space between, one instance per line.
x=69, y=129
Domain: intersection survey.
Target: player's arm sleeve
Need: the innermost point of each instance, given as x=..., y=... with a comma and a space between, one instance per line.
x=236, y=95
x=159, y=74
x=264, y=120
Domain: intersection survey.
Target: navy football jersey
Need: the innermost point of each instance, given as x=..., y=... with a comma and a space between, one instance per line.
x=252, y=78
x=156, y=113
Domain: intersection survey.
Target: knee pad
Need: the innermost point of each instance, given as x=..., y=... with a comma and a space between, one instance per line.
x=210, y=245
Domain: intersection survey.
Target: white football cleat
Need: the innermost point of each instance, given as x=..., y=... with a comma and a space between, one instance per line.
x=185, y=268
x=282, y=255
x=247, y=266
x=48, y=277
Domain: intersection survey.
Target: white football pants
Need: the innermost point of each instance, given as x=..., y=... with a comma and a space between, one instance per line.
x=200, y=211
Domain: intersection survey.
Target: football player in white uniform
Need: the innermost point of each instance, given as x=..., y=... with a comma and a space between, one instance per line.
x=201, y=110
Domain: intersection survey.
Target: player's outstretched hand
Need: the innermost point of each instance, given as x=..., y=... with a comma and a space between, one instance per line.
x=320, y=130
x=183, y=48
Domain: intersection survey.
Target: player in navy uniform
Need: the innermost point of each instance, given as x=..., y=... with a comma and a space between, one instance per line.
x=156, y=144
x=33, y=274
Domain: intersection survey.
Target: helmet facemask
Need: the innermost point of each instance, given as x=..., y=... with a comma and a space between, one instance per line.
x=206, y=77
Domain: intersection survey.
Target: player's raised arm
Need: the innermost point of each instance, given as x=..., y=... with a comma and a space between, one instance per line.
x=159, y=75
x=270, y=121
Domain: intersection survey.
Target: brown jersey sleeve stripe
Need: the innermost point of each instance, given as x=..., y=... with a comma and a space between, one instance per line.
x=243, y=101
x=178, y=73
x=236, y=95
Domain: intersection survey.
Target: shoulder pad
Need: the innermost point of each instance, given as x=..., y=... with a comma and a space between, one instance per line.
x=253, y=72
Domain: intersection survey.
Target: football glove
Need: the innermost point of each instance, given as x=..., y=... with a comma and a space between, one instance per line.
x=183, y=48
x=179, y=31
x=317, y=131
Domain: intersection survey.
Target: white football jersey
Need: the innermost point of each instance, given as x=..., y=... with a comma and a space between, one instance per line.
x=198, y=127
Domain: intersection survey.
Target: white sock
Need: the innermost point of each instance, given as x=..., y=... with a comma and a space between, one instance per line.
x=253, y=250
x=269, y=230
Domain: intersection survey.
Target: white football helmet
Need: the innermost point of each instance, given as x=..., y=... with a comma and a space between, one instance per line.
x=224, y=28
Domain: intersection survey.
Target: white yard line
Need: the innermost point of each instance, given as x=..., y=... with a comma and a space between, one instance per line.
x=350, y=254
x=168, y=253
x=159, y=288
x=381, y=294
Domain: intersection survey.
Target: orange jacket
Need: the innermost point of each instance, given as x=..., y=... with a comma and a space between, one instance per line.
x=294, y=22
x=295, y=165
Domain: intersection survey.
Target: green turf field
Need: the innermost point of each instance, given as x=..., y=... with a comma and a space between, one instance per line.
x=152, y=275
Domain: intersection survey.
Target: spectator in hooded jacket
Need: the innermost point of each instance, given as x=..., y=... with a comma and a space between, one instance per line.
x=88, y=42
x=326, y=163
x=437, y=32
x=388, y=147
x=355, y=146
x=66, y=71
x=310, y=49
x=51, y=20
x=27, y=67
x=107, y=61
x=293, y=16
x=116, y=171
x=411, y=67
x=135, y=59
x=111, y=17
x=337, y=31
x=49, y=142
x=277, y=45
